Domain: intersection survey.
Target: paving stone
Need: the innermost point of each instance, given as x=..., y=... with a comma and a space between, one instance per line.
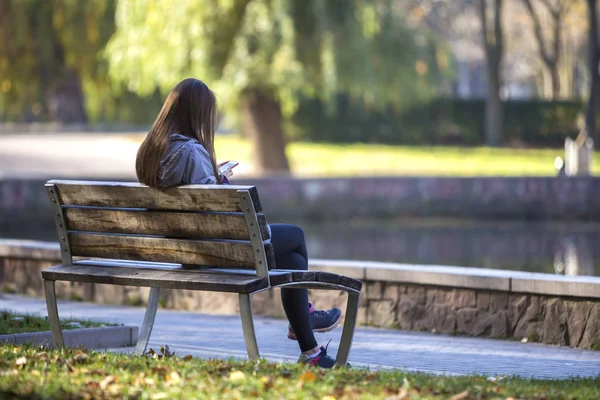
x=217, y=336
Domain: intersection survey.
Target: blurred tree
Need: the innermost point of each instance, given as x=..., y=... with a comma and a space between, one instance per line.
x=48, y=48
x=550, y=53
x=493, y=42
x=593, y=65
x=260, y=55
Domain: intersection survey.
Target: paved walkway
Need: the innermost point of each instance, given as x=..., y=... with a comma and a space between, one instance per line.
x=214, y=336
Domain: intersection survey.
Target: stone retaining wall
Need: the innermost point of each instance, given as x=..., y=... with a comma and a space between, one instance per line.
x=554, y=309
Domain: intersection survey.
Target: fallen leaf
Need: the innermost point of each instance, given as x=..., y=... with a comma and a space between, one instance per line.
x=460, y=396
x=106, y=381
x=188, y=357
x=173, y=378
x=80, y=357
x=308, y=377
x=237, y=376
x=21, y=361
x=402, y=395
x=328, y=397
x=267, y=383
x=158, y=396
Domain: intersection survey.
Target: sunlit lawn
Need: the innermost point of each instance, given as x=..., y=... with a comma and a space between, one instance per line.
x=36, y=373
x=311, y=159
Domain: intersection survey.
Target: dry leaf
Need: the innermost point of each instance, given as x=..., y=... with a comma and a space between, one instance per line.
x=328, y=397
x=21, y=361
x=267, y=382
x=159, y=396
x=173, y=378
x=460, y=396
x=149, y=381
x=188, y=357
x=308, y=377
x=402, y=395
x=237, y=376
x=107, y=381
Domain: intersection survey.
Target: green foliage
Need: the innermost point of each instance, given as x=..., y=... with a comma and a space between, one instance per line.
x=441, y=121
x=44, y=44
x=34, y=372
x=282, y=47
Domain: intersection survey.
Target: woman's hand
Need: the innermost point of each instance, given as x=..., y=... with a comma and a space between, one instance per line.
x=226, y=173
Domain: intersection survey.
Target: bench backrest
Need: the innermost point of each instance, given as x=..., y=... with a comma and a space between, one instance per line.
x=207, y=225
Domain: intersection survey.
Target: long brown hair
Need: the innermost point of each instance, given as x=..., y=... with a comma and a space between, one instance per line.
x=191, y=110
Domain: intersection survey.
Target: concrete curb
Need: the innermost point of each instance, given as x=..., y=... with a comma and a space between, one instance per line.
x=91, y=338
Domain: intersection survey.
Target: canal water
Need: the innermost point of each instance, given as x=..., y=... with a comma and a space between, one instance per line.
x=550, y=247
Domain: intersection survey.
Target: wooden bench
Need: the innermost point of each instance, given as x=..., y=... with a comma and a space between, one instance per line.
x=196, y=237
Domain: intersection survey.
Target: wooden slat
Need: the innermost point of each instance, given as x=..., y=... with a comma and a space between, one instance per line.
x=164, y=278
x=162, y=223
x=220, y=253
x=136, y=195
x=276, y=277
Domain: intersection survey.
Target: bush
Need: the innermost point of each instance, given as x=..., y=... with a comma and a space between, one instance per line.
x=441, y=121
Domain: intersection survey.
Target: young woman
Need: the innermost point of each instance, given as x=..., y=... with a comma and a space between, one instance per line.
x=179, y=150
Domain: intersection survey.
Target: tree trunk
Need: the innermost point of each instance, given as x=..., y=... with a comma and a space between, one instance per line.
x=263, y=124
x=590, y=113
x=494, y=113
x=494, y=47
x=555, y=76
x=65, y=100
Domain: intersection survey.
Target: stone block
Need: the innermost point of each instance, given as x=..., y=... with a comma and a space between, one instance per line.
x=464, y=298
x=498, y=301
x=483, y=300
x=109, y=294
x=444, y=318
x=554, y=329
x=591, y=336
x=465, y=318
x=516, y=309
x=374, y=290
x=439, y=296
x=530, y=330
x=579, y=312
x=407, y=311
x=417, y=294
x=390, y=292
x=382, y=313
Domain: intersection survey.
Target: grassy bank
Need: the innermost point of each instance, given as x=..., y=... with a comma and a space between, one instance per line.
x=310, y=159
x=29, y=372
x=11, y=323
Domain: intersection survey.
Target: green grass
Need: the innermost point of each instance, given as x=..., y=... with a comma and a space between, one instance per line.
x=30, y=372
x=11, y=323
x=322, y=160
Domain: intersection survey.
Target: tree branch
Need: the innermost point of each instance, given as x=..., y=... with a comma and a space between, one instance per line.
x=537, y=27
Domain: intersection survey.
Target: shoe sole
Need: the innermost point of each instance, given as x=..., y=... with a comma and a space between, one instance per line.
x=292, y=336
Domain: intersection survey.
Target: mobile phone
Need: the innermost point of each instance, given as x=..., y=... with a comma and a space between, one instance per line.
x=228, y=165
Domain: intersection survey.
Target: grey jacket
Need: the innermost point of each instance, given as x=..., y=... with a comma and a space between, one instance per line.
x=186, y=162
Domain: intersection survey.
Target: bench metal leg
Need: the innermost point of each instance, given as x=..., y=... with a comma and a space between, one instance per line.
x=142, y=343
x=348, y=332
x=52, y=308
x=248, y=326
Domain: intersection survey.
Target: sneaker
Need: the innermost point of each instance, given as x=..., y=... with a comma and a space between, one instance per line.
x=321, y=360
x=321, y=321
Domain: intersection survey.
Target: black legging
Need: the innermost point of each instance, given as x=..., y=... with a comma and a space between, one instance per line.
x=290, y=253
